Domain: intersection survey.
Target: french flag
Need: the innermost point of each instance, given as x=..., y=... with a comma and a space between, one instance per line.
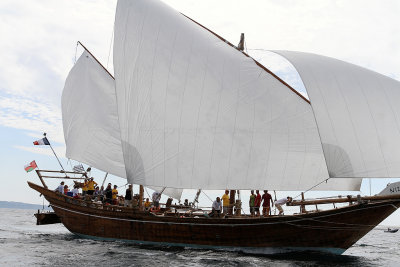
x=42, y=142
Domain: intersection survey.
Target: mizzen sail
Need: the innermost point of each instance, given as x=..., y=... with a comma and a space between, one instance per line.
x=357, y=112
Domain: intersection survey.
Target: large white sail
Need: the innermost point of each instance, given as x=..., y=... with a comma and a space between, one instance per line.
x=357, y=112
x=90, y=120
x=196, y=113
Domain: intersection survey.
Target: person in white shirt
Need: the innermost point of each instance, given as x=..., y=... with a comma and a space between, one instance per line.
x=156, y=198
x=60, y=188
x=216, y=208
x=280, y=202
x=75, y=191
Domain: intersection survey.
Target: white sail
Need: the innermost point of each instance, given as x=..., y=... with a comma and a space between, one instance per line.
x=90, y=120
x=195, y=112
x=357, y=112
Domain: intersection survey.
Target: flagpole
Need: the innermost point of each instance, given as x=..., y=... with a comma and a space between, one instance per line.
x=55, y=154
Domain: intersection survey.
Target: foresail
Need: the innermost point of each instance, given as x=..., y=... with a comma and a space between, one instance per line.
x=357, y=112
x=197, y=113
x=90, y=119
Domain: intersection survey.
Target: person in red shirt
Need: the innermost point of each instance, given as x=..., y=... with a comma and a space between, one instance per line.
x=65, y=189
x=267, y=199
x=257, y=203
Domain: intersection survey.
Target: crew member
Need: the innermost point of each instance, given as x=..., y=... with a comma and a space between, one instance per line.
x=267, y=199
x=252, y=201
x=60, y=188
x=257, y=203
x=156, y=199
x=225, y=200
x=114, y=195
x=216, y=208
x=90, y=186
x=128, y=197
x=280, y=202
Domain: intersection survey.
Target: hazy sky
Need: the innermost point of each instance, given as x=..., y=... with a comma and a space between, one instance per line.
x=38, y=48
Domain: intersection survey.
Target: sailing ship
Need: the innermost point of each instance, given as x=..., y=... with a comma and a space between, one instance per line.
x=189, y=110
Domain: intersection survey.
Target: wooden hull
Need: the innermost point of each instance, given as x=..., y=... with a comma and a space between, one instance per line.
x=331, y=231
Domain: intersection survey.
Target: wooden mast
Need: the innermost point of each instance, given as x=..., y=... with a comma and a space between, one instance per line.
x=241, y=42
x=232, y=200
x=141, y=193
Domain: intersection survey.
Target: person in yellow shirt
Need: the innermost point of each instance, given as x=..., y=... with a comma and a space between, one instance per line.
x=85, y=187
x=147, y=204
x=90, y=186
x=225, y=202
x=114, y=195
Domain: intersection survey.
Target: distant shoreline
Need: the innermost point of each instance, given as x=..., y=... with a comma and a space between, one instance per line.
x=22, y=206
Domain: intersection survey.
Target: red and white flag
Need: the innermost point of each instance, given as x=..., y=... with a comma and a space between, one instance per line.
x=31, y=166
x=42, y=142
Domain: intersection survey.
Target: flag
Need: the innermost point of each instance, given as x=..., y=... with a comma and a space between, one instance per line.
x=42, y=142
x=31, y=166
x=78, y=168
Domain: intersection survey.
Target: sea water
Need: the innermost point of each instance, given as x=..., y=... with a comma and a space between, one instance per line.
x=23, y=243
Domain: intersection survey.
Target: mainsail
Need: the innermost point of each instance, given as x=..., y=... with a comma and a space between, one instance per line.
x=90, y=119
x=357, y=112
x=197, y=113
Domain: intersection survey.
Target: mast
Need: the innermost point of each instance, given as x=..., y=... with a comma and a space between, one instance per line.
x=141, y=193
x=196, y=199
x=231, y=201
x=241, y=42
x=87, y=50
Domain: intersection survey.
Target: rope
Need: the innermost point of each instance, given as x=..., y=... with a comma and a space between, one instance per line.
x=326, y=180
x=76, y=51
x=109, y=50
x=122, y=185
x=207, y=196
x=258, y=49
x=145, y=188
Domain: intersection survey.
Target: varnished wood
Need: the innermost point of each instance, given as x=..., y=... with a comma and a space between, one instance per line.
x=349, y=199
x=41, y=178
x=141, y=195
x=334, y=229
x=232, y=195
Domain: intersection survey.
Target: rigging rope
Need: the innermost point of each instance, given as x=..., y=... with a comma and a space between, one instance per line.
x=109, y=50
x=207, y=196
x=145, y=188
x=76, y=51
x=326, y=180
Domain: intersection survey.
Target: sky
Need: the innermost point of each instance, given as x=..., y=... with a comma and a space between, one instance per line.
x=38, y=48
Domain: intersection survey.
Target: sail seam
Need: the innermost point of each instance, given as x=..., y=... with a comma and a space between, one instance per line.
x=351, y=121
x=198, y=114
x=238, y=99
x=216, y=120
x=374, y=123
x=181, y=110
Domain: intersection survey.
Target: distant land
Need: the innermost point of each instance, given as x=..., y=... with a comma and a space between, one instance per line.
x=21, y=205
